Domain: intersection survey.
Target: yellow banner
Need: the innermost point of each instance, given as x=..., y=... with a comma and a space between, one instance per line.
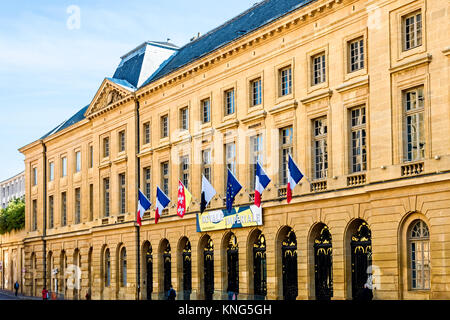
x=239, y=217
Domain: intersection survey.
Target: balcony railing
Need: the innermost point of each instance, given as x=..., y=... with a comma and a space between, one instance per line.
x=282, y=192
x=412, y=169
x=318, y=186
x=356, y=180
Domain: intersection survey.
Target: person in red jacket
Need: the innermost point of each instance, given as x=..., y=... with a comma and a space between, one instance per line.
x=44, y=294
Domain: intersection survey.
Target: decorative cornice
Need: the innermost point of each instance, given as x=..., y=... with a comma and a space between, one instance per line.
x=228, y=124
x=446, y=51
x=105, y=164
x=120, y=159
x=284, y=107
x=182, y=138
x=317, y=96
x=413, y=63
x=354, y=84
x=261, y=114
x=165, y=145
x=203, y=133
x=309, y=12
x=145, y=153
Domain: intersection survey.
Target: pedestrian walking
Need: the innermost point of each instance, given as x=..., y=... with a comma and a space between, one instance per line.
x=171, y=294
x=44, y=294
x=16, y=287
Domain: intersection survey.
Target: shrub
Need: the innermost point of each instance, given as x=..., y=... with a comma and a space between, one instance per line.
x=13, y=216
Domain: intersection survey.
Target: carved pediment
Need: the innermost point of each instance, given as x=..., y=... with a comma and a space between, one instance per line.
x=108, y=94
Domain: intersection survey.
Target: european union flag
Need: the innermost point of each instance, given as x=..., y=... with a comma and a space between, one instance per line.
x=233, y=187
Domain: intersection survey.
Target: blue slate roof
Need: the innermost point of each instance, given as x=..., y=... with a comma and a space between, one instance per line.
x=254, y=18
x=77, y=117
x=261, y=14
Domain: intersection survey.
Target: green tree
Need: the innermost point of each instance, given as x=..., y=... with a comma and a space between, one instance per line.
x=13, y=216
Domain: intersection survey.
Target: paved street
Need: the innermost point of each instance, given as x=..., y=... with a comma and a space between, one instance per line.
x=7, y=295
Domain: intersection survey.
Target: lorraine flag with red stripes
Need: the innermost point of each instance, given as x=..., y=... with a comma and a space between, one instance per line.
x=184, y=199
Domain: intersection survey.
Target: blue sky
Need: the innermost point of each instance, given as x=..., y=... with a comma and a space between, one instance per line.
x=50, y=68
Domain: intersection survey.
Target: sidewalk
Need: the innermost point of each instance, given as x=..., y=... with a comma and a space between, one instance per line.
x=19, y=296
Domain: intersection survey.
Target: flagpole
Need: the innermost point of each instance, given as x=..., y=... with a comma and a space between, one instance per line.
x=138, y=228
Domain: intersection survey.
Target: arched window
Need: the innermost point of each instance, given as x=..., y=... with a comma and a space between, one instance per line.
x=123, y=267
x=107, y=268
x=419, y=255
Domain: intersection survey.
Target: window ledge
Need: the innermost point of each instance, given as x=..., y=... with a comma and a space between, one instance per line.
x=320, y=95
x=422, y=59
x=354, y=84
x=283, y=107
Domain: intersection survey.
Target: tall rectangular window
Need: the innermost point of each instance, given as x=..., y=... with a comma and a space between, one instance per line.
x=51, y=169
x=63, y=209
x=413, y=101
x=206, y=164
x=91, y=156
x=146, y=133
x=206, y=110
x=35, y=177
x=230, y=157
x=77, y=205
x=91, y=202
x=229, y=102
x=286, y=136
x=122, y=193
x=105, y=147
x=356, y=54
x=122, y=141
x=285, y=81
x=51, y=212
x=165, y=177
x=164, y=126
x=320, y=148
x=106, y=197
x=412, y=30
x=34, y=223
x=256, y=150
x=184, y=118
x=358, y=139
x=64, y=166
x=78, y=161
x=184, y=170
x=318, y=68
x=147, y=182
x=256, y=92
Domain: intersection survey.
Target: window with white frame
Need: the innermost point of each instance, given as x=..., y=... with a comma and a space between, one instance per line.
x=146, y=133
x=419, y=256
x=229, y=101
x=256, y=92
x=206, y=164
x=414, y=136
x=63, y=209
x=105, y=147
x=286, y=136
x=122, y=193
x=147, y=182
x=77, y=161
x=358, y=161
x=320, y=151
x=106, y=197
x=184, y=170
x=412, y=30
x=184, y=118
x=64, y=166
x=77, y=205
x=318, y=68
x=356, y=55
x=122, y=141
x=165, y=177
x=206, y=110
x=164, y=126
x=256, y=150
x=51, y=169
x=35, y=177
x=285, y=81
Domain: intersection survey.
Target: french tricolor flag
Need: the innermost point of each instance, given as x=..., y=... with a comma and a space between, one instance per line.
x=294, y=177
x=143, y=205
x=261, y=182
x=161, y=202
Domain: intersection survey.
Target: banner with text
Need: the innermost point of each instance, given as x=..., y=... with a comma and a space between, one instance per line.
x=239, y=217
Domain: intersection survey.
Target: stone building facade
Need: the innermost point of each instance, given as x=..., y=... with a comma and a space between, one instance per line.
x=356, y=90
x=12, y=188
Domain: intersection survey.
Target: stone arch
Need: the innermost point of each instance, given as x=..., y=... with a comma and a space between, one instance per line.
x=202, y=244
x=164, y=267
x=286, y=257
x=403, y=241
x=147, y=275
